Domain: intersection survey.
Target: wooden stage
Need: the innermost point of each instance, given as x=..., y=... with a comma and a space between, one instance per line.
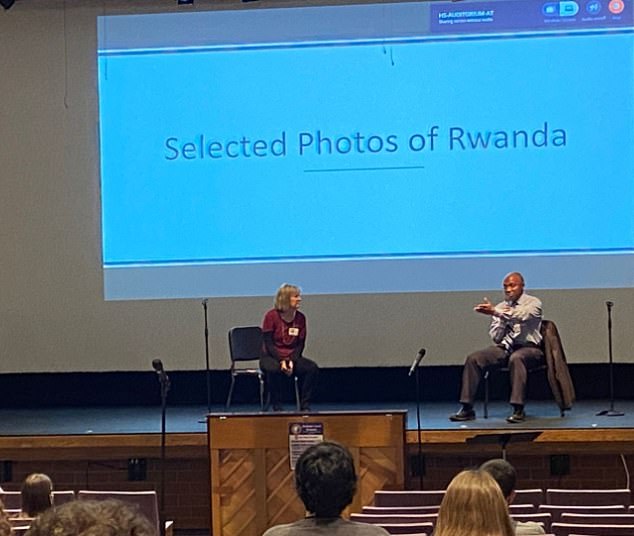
x=69, y=433
x=91, y=448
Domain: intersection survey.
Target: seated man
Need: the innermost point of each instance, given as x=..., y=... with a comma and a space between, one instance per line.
x=326, y=482
x=506, y=477
x=515, y=332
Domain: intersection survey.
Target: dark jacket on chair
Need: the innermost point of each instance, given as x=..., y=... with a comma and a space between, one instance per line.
x=557, y=368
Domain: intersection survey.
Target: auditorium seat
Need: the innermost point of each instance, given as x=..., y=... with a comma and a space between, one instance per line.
x=556, y=511
x=146, y=501
x=63, y=496
x=20, y=521
x=12, y=500
x=588, y=497
x=598, y=519
x=529, y=496
x=544, y=519
x=378, y=519
x=412, y=529
x=522, y=509
x=408, y=498
x=568, y=529
x=403, y=510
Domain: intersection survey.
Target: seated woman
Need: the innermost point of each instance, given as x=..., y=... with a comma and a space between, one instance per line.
x=284, y=331
x=473, y=506
x=37, y=495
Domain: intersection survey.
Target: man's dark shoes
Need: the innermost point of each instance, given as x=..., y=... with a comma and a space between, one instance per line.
x=517, y=416
x=463, y=415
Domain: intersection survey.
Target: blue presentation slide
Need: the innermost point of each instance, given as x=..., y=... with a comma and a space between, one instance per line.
x=432, y=143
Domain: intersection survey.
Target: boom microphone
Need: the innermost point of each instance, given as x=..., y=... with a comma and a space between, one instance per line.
x=417, y=360
x=157, y=365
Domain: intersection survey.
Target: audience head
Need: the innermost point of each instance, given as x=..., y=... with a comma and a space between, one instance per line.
x=37, y=494
x=504, y=474
x=325, y=479
x=5, y=524
x=284, y=295
x=473, y=506
x=92, y=518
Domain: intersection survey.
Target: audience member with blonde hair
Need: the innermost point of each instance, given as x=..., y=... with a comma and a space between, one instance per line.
x=473, y=506
x=37, y=494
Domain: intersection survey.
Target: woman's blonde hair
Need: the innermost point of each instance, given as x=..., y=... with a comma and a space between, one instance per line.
x=284, y=295
x=473, y=506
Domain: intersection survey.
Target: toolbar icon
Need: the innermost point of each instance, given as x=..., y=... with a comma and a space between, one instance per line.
x=593, y=7
x=567, y=8
x=616, y=6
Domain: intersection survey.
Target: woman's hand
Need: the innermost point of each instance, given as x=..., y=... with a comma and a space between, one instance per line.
x=287, y=366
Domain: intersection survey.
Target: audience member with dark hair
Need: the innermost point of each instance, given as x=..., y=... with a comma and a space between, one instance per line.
x=326, y=482
x=37, y=494
x=506, y=477
x=92, y=518
x=473, y=505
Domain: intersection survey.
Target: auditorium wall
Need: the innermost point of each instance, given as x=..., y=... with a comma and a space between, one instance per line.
x=53, y=317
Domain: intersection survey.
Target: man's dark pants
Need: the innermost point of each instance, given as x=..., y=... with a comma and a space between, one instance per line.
x=520, y=361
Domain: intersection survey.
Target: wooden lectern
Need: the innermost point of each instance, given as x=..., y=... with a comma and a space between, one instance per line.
x=252, y=483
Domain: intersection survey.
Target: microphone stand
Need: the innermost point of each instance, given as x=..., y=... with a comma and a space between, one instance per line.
x=165, y=386
x=207, y=370
x=610, y=412
x=419, y=437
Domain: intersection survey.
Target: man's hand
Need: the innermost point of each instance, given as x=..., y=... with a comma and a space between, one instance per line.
x=287, y=366
x=485, y=308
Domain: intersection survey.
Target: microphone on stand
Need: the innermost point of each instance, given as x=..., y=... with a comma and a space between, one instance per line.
x=207, y=369
x=417, y=360
x=157, y=365
x=164, y=381
x=610, y=412
x=419, y=458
